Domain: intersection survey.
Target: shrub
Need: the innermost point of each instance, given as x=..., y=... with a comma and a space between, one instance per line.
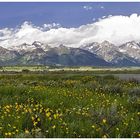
x=113, y=89
x=25, y=70
x=134, y=92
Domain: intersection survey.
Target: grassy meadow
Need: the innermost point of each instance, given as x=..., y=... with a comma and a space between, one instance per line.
x=68, y=105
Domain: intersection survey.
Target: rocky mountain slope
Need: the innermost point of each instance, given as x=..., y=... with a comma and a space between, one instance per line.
x=127, y=54
x=41, y=54
x=91, y=54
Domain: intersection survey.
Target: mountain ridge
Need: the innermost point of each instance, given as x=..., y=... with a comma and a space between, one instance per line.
x=93, y=54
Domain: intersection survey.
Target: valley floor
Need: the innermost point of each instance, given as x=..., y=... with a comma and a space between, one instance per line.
x=43, y=69
x=68, y=104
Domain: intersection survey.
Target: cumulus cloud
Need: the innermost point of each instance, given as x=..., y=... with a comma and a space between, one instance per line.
x=115, y=29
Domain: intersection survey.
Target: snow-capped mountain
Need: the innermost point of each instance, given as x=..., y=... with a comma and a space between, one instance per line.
x=126, y=54
x=132, y=49
x=99, y=54
x=38, y=53
x=23, y=48
x=105, y=50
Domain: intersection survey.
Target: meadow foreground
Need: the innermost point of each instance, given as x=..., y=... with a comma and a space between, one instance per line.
x=59, y=104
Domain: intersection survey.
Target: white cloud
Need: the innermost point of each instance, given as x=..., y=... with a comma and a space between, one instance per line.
x=51, y=26
x=94, y=7
x=103, y=17
x=102, y=7
x=5, y=34
x=110, y=16
x=87, y=7
x=116, y=29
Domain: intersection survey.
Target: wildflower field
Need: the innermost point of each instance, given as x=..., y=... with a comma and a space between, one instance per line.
x=71, y=105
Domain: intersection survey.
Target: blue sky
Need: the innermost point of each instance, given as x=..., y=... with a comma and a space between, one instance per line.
x=68, y=14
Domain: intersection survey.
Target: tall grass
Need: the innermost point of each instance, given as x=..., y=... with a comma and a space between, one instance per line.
x=68, y=105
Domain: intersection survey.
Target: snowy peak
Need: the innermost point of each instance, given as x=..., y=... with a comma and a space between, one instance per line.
x=37, y=43
x=124, y=55
x=23, y=48
x=128, y=52
x=132, y=44
x=105, y=50
x=132, y=49
x=106, y=43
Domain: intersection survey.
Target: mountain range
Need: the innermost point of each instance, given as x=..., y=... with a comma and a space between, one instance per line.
x=91, y=54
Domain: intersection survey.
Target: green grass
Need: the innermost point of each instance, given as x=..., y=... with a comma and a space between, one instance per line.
x=68, y=104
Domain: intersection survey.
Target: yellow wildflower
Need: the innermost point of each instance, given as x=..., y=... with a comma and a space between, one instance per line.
x=9, y=133
x=48, y=114
x=117, y=129
x=104, y=120
x=26, y=131
x=53, y=126
x=56, y=116
x=93, y=126
x=104, y=136
x=33, y=118
x=38, y=119
x=34, y=123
